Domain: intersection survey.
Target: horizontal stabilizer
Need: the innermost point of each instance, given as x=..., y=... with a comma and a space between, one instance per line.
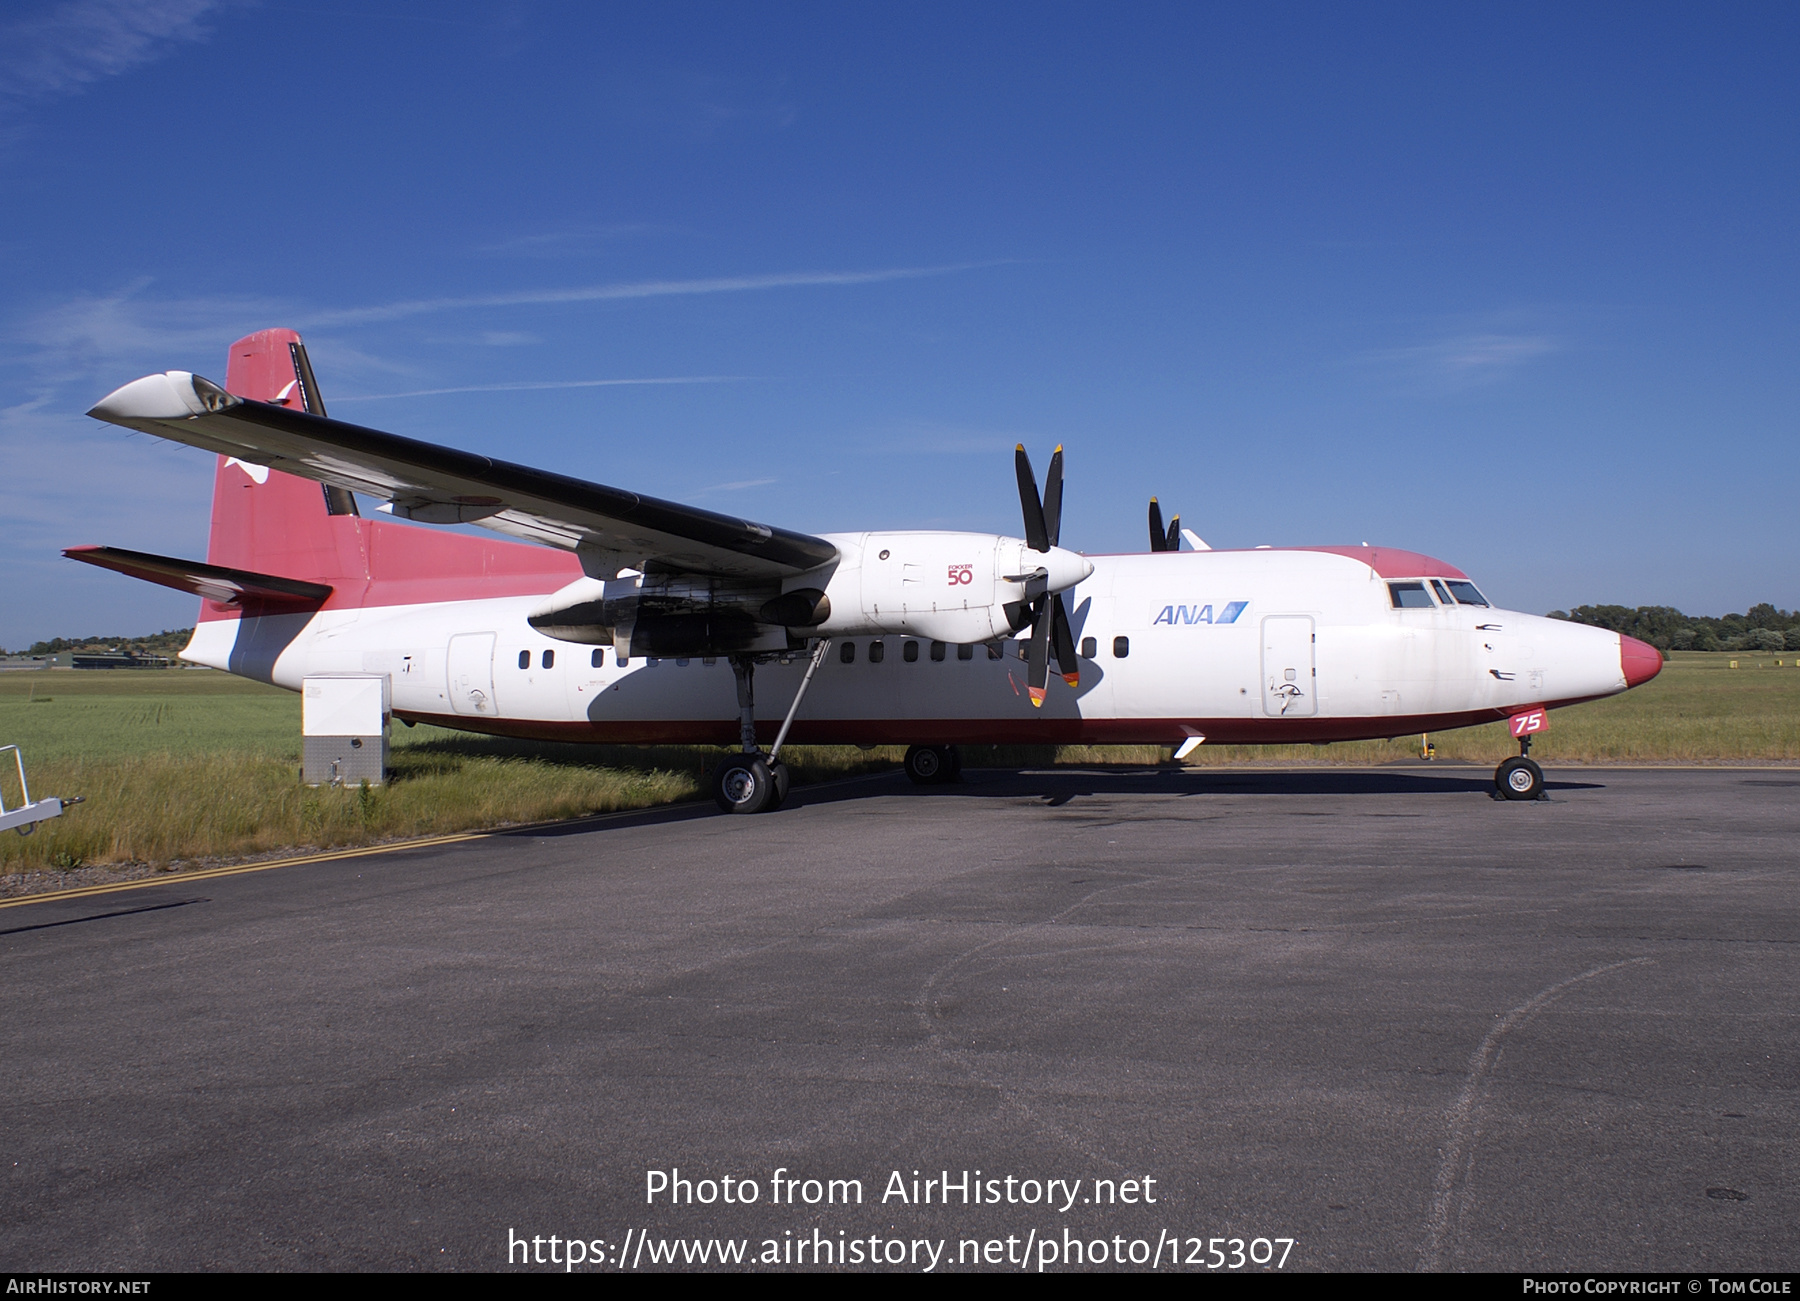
x=214, y=582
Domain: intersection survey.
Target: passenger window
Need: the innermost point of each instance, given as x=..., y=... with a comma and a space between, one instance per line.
x=1410, y=596
x=877, y=652
x=1121, y=647
x=1443, y=596
x=909, y=652
x=847, y=652
x=966, y=651
x=1466, y=594
x=937, y=652
x=1089, y=648
x=623, y=662
x=707, y=661
x=525, y=659
x=549, y=659
x=598, y=658
x=681, y=664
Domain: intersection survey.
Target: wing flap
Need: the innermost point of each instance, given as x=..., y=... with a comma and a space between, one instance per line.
x=214, y=582
x=443, y=485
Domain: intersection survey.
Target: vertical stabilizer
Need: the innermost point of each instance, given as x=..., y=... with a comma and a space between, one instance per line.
x=274, y=523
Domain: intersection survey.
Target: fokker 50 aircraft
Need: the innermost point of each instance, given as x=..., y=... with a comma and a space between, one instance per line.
x=623, y=618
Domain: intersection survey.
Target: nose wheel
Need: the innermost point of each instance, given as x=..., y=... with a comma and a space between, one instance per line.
x=1519, y=778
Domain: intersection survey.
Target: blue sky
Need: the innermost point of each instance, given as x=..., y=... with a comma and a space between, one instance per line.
x=1514, y=286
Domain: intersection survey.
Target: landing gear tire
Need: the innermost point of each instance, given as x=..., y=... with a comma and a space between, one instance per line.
x=1519, y=778
x=783, y=780
x=955, y=754
x=744, y=784
x=932, y=765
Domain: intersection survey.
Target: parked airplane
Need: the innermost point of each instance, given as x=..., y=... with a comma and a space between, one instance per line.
x=623, y=618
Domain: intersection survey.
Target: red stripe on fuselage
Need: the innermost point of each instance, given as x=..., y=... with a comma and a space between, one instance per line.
x=980, y=731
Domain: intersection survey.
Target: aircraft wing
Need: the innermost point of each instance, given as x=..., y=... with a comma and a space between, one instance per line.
x=440, y=485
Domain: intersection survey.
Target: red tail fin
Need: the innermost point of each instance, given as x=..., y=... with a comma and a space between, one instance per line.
x=278, y=525
x=274, y=523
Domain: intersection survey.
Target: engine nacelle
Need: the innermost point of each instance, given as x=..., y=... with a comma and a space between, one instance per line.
x=671, y=616
x=949, y=587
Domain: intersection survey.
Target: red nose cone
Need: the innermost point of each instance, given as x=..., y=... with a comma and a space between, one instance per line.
x=1640, y=660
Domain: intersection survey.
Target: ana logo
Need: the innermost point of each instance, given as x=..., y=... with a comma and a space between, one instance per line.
x=258, y=472
x=961, y=575
x=1174, y=614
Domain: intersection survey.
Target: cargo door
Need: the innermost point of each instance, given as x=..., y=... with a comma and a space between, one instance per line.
x=1290, y=682
x=471, y=672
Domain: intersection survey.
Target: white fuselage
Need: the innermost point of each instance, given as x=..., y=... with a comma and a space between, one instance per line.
x=1235, y=646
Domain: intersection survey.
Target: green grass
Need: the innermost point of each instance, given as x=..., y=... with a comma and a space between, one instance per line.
x=182, y=764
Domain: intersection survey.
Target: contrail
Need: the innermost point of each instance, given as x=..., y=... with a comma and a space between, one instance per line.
x=633, y=289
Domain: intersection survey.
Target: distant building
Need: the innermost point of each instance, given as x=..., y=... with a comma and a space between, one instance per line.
x=118, y=660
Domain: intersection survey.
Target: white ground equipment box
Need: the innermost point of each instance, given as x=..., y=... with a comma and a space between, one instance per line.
x=344, y=723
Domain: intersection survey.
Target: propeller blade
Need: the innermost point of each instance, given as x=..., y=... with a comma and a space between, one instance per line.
x=1157, y=541
x=1173, y=543
x=1037, y=664
x=1036, y=536
x=1053, y=497
x=1064, y=642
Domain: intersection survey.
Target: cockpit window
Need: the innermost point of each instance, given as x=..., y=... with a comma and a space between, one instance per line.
x=1410, y=596
x=1466, y=593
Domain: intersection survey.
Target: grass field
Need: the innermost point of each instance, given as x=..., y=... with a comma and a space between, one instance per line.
x=183, y=764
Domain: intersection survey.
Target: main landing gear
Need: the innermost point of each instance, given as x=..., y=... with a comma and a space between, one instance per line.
x=750, y=781
x=1519, y=778
x=933, y=765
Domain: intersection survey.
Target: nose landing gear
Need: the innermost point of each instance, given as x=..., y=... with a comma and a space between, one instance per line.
x=1519, y=778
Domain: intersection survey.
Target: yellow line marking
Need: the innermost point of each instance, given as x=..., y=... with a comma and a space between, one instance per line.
x=240, y=869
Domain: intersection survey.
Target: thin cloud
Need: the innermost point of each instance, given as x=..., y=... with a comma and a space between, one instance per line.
x=69, y=46
x=1465, y=360
x=570, y=242
x=737, y=486
x=629, y=290
x=548, y=384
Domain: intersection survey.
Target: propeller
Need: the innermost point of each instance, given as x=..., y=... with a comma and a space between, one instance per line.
x=1043, y=608
x=1160, y=539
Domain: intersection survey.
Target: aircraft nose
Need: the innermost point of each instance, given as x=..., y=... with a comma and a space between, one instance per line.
x=1639, y=660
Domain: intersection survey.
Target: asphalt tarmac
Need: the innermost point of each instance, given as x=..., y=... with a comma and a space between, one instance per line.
x=1374, y=1015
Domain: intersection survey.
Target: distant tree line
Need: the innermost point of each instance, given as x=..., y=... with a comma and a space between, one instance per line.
x=1762, y=628
x=167, y=642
